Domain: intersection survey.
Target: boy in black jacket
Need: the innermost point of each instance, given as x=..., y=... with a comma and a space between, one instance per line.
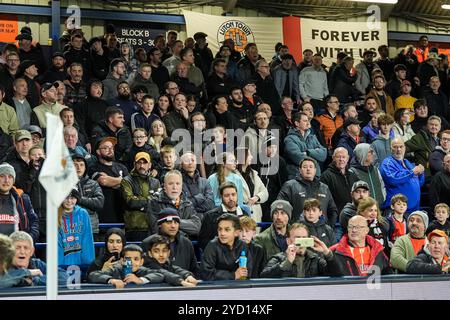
x=317, y=227
x=139, y=275
x=441, y=214
x=248, y=232
x=158, y=253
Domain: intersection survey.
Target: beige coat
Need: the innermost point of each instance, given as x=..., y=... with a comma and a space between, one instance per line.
x=260, y=191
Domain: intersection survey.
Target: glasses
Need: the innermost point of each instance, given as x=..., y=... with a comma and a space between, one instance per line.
x=106, y=148
x=356, y=228
x=139, y=137
x=445, y=139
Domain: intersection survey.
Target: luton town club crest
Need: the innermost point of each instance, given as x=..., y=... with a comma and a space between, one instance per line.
x=238, y=31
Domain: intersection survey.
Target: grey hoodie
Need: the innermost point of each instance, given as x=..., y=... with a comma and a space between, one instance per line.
x=110, y=86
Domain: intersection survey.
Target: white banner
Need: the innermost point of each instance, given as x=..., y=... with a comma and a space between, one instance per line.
x=328, y=38
x=265, y=32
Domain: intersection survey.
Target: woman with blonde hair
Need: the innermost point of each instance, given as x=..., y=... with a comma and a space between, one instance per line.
x=157, y=134
x=378, y=226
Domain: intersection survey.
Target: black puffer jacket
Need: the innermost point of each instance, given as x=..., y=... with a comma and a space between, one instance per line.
x=320, y=230
x=190, y=221
x=345, y=215
x=220, y=262
x=172, y=274
x=123, y=136
x=424, y=263
x=314, y=265
x=92, y=199
x=297, y=190
x=117, y=272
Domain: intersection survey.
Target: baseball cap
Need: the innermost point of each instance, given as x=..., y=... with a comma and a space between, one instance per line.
x=360, y=184
x=104, y=139
x=437, y=233
x=142, y=155
x=350, y=121
x=22, y=134
x=35, y=129
x=405, y=83
x=433, y=55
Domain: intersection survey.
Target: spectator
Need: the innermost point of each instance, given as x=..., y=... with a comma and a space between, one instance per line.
x=284, y=120
x=285, y=77
x=158, y=258
x=300, y=143
x=339, y=178
x=397, y=219
x=433, y=258
x=250, y=99
x=124, y=102
x=57, y=70
x=114, y=243
x=194, y=74
x=360, y=190
x=137, y=93
x=274, y=239
x=181, y=249
x=428, y=69
x=218, y=261
x=168, y=157
x=384, y=102
x=370, y=253
x=313, y=84
x=440, y=184
x=76, y=87
x=178, y=119
x=420, y=115
x=113, y=126
x=364, y=71
x=219, y=80
x=160, y=74
x=144, y=117
x=99, y=58
x=157, y=134
x=256, y=134
x=342, y=81
x=330, y=120
x=402, y=128
x=424, y=142
x=8, y=117
x=408, y=58
x=246, y=66
x=307, y=60
x=19, y=158
x=422, y=50
x=20, y=103
x=382, y=143
x=302, y=262
x=78, y=54
x=408, y=246
x=401, y=176
x=312, y=218
x=309, y=185
x=28, y=71
x=378, y=226
x=247, y=234
x=75, y=240
x=71, y=139
x=441, y=222
x=196, y=188
x=239, y=110
x=139, y=275
x=394, y=87
x=436, y=158
x=172, y=62
x=113, y=79
x=348, y=111
x=201, y=48
x=143, y=78
x=164, y=105
x=28, y=51
x=49, y=105
x=172, y=197
x=265, y=86
x=127, y=56
x=280, y=50
x=351, y=137
x=138, y=189
x=181, y=79
x=140, y=144
x=384, y=62
x=370, y=105
x=23, y=259
x=371, y=130
x=436, y=99
x=405, y=100
x=231, y=58
x=8, y=72
x=17, y=210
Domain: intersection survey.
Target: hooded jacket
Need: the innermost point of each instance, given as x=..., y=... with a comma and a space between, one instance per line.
x=152, y=88
x=400, y=178
x=314, y=264
x=297, y=190
x=340, y=185
x=137, y=191
x=382, y=147
x=349, y=143
x=405, y=133
x=198, y=191
x=92, y=199
x=424, y=263
x=369, y=174
x=110, y=86
x=298, y=147
x=348, y=265
x=75, y=240
x=220, y=262
x=190, y=222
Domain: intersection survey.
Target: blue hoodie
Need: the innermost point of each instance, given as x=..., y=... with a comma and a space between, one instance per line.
x=75, y=239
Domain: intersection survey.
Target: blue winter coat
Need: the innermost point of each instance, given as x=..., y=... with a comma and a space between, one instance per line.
x=398, y=179
x=297, y=147
x=75, y=239
x=140, y=120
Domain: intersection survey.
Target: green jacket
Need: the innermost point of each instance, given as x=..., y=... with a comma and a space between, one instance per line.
x=137, y=190
x=402, y=252
x=420, y=145
x=267, y=240
x=8, y=119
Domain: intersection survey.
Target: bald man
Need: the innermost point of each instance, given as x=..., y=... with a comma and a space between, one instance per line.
x=358, y=253
x=401, y=176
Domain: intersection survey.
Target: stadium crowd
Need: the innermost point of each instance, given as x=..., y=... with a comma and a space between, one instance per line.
x=192, y=152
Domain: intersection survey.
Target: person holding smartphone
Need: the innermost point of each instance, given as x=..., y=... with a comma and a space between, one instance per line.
x=114, y=243
x=305, y=257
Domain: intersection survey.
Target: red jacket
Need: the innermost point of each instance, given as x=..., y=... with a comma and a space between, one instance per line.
x=348, y=265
